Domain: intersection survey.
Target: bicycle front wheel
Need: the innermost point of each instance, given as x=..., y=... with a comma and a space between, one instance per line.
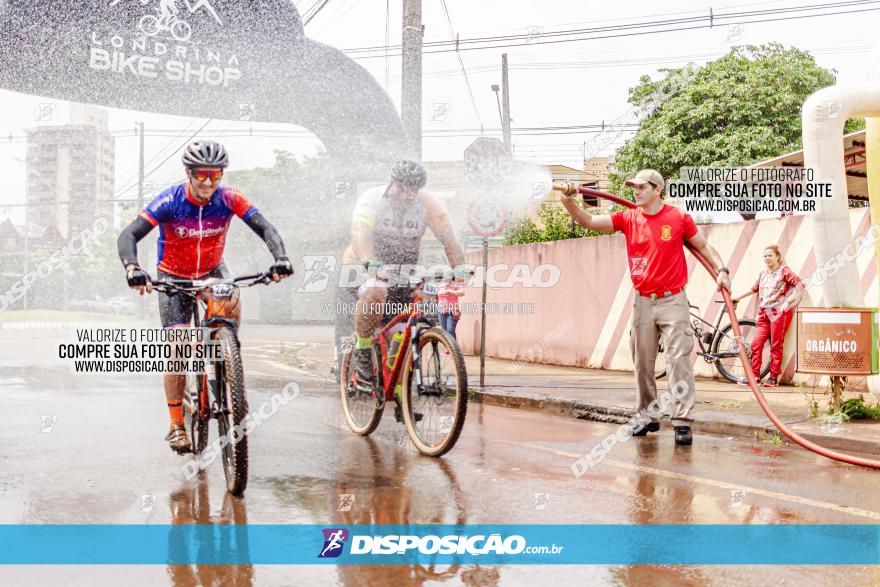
x=725, y=348
x=234, y=408
x=194, y=410
x=435, y=389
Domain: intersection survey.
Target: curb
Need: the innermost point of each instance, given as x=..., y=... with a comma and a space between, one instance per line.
x=617, y=415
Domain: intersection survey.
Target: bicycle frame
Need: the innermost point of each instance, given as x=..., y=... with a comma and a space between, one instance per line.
x=716, y=331
x=210, y=321
x=204, y=316
x=391, y=375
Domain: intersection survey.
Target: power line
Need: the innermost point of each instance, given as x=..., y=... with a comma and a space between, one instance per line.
x=708, y=18
x=156, y=156
x=313, y=11
x=461, y=64
x=387, y=41
x=170, y=155
x=630, y=29
x=636, y=60
x=523, y=130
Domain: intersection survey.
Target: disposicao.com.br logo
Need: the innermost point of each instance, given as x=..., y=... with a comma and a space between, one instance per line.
x=451, y=544
x=334, y=541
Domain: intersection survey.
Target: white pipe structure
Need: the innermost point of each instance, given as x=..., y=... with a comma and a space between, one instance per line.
x=824, y=115
x=872, y=167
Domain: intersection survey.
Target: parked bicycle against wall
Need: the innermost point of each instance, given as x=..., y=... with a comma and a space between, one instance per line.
x=718, y=346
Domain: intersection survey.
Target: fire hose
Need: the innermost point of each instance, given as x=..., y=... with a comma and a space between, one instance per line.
x=570, y=189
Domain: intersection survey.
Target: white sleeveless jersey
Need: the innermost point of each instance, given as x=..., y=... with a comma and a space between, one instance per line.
x=397, y=231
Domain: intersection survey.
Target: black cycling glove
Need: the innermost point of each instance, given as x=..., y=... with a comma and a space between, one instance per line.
x=137, y=276
x=281, y=266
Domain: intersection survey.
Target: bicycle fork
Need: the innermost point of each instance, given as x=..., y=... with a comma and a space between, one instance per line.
x=213, y=387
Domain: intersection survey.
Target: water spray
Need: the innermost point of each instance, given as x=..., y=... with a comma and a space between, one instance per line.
x=570, y=189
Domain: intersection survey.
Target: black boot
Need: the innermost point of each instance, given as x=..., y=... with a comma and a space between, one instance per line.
x=362, y=363
x=642, y=427
x=683, y=435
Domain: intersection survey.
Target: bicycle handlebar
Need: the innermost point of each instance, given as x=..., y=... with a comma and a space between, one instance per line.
x=189, y=286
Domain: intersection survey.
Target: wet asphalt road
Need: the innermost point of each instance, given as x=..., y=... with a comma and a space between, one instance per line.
x=100, y=458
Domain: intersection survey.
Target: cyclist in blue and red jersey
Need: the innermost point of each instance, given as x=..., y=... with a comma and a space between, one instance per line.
x=193, y=218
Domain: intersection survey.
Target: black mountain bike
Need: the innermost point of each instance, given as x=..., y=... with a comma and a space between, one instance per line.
x=719, y=346
x=223, y=377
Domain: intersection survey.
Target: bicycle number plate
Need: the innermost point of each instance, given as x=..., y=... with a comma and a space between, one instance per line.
x=222, y=290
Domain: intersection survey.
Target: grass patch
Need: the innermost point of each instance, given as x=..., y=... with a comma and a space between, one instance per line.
x=812, y=405
x=771, y=437
x=857, y=409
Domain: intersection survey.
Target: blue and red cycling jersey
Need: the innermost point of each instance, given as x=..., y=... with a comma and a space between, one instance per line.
x=192, y=235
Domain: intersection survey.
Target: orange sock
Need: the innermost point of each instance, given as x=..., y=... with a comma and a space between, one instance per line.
x=175, y=410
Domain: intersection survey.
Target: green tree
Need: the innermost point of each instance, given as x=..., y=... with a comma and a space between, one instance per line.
x=295, y=194
x=554, y=224
x=734, y=111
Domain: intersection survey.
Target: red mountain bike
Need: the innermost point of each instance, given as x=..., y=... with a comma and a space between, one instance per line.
x=431, y=370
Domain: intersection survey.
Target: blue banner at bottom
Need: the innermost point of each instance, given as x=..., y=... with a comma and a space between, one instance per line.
x=503, y=544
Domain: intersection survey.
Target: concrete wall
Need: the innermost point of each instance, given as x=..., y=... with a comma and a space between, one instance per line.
x=584, y=319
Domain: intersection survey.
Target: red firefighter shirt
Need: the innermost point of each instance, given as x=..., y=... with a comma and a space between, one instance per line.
x=655, y=246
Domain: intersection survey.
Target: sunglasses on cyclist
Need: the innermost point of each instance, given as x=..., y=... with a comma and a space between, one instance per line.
x=202, y=175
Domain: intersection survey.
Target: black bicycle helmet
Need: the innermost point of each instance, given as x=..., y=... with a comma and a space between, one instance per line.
x=205, y=154
x=409, y=173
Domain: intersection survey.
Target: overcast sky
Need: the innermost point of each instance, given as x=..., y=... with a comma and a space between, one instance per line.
x=561, y=84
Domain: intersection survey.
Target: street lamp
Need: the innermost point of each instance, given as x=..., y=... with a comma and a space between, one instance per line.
x=496, y=88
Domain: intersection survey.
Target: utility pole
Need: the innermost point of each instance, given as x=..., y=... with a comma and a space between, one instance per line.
x=140, y=127
x=505, y=99
x=411, y=88
x=483, y=315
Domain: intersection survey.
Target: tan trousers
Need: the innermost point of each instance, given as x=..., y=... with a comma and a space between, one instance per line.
x=667, y=320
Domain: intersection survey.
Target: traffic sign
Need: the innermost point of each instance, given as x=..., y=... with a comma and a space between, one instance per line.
x=473, y=241
x=487, y=161
x=488, y=217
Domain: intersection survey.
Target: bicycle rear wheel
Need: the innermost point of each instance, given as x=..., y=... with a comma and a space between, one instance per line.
x=724, y=346
x=363, y=410
x=441, y=395
x=231, y=397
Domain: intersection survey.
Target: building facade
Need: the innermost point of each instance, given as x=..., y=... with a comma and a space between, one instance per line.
x=70, y=171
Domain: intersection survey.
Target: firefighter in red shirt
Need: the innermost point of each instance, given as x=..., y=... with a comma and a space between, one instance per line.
x=655, y=237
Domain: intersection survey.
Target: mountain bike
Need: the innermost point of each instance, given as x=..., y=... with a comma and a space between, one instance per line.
x=223, y=377
x=429, y=366
x=719, y=346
